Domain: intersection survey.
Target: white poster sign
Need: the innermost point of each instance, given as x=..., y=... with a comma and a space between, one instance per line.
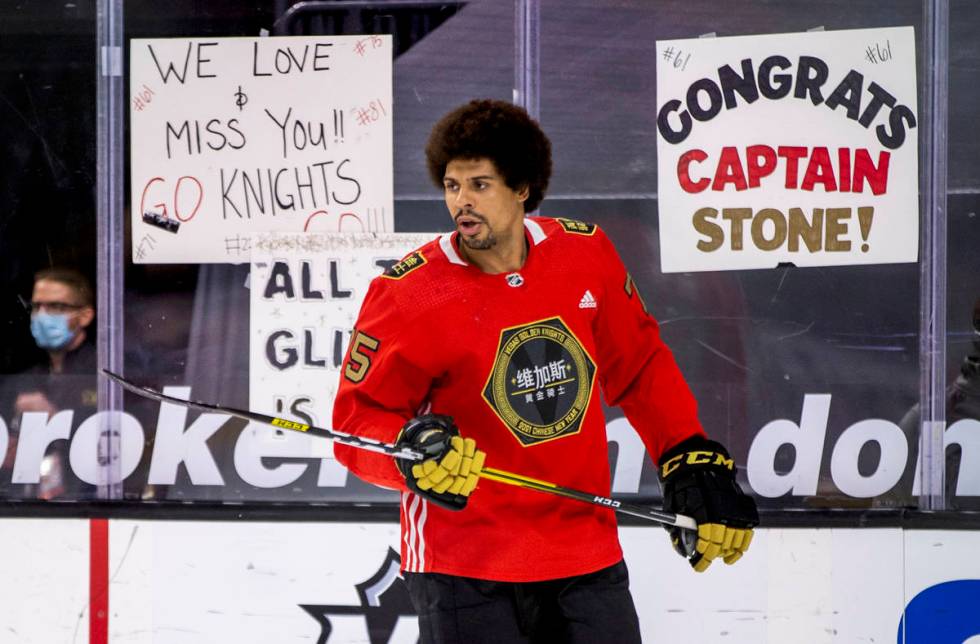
x=231, y=136
x=306, y=291
x=788, y=148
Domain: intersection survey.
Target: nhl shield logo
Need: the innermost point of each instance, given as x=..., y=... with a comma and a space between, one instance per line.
x=541, y=382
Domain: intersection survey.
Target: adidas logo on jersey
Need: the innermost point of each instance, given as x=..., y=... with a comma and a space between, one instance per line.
x=587, y=301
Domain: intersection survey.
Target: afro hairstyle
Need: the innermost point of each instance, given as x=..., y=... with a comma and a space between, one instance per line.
x=501, y=132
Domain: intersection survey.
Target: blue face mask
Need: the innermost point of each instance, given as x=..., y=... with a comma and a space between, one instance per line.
x=51, y=331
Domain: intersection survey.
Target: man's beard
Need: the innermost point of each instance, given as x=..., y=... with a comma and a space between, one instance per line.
x=480, y=244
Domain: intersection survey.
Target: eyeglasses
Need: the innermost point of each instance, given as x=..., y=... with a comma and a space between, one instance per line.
x=54, y=307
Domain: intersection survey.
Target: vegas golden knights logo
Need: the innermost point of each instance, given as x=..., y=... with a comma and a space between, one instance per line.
x=541, y=381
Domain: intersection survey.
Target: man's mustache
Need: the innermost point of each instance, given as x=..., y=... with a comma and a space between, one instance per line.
x=475, y=215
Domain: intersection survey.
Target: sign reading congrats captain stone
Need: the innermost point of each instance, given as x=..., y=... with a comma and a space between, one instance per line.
x=795, y=148
x=541, y=381
x=238, y=135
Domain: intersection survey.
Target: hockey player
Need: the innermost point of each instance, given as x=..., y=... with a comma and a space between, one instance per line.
x=491, y=343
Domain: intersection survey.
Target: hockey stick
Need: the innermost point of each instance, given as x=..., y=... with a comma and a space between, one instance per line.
x=501, y=476
x=632, y=509
x=280, y=423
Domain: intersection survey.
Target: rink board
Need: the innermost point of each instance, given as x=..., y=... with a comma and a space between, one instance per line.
x=183, y=582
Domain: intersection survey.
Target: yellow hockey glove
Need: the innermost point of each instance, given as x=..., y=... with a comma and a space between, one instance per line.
x=451, y=472
x=698, y=479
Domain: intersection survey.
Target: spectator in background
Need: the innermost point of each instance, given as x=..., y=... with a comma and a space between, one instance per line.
x=962, y=403
x=963, y=396
x=62, y=311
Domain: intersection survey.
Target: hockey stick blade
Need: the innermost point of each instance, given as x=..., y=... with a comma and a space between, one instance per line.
x=279, y=423
x=500, y=476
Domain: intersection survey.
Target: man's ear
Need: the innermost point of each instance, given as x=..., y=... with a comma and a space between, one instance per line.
x=85, y=316
x=523, y=192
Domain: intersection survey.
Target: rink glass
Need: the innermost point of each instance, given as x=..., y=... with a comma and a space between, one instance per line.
x=884, y=341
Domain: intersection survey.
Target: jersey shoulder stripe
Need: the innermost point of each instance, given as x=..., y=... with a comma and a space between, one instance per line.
x=411, y=262
x=423, y=256
x=563, y=228
x=418, y=278
x=577, y=227
x=557, y=227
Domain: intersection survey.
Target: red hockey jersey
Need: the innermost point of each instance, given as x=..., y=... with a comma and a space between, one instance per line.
x=517, y=360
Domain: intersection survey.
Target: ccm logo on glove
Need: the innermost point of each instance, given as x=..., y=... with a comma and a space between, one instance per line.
x=698, y=479
x=696, y=458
